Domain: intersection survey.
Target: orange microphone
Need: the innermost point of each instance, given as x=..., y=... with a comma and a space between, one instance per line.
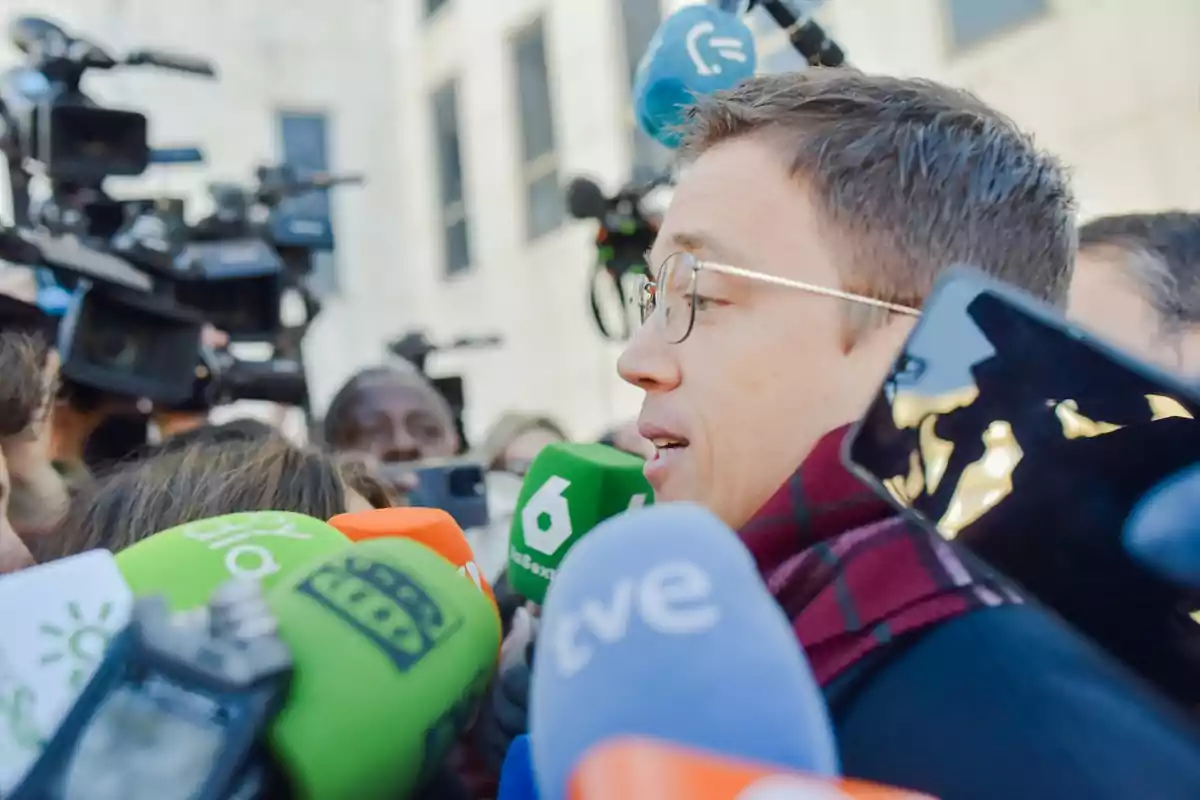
x=431, y=527
x=629, y=768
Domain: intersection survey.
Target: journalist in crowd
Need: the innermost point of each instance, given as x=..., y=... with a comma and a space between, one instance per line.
x=1137, y=282
x=393, y=415
x=812, y=216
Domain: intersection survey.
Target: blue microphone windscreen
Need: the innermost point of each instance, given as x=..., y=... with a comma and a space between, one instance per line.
x=1164, y=530
x=516, y=776
x=658, y=624
x=696, y=51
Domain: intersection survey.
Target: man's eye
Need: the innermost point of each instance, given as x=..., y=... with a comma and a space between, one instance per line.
x=705, y=303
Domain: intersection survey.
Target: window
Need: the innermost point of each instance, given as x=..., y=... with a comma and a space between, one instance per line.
x=639, y=20
x=305, y=143
x=455, y=234
x=433, y=6
x=544, y=199
x=972, y=21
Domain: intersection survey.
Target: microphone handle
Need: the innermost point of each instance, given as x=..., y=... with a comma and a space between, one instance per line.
x=809, y=38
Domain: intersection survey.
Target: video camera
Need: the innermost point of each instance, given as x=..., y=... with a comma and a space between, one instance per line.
x=625, y=233
x=122, y=332
x=50, y=122
x=144, y=283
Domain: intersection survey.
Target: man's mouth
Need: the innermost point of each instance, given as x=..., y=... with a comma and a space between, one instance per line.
x=664, y=444
x=669, y=448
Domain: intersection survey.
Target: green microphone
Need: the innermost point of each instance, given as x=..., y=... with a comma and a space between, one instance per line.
x=569, y=489
x=186, y=563
x=392, y=651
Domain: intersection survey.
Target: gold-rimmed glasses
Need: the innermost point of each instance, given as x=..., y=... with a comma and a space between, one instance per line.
x=676, y=289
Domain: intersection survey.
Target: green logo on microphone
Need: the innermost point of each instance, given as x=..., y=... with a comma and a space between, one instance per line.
x=81, y=642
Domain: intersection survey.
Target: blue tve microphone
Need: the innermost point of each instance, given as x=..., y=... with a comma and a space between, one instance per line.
x=1163, y=532
x=696, y=51
x=657, y=624
x=516, y=776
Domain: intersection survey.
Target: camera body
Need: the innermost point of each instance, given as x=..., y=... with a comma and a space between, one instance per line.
x=143, y=282
x=138, y=345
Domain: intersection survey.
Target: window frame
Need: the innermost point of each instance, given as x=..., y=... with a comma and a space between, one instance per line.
x=451, y=212
x=537, y=167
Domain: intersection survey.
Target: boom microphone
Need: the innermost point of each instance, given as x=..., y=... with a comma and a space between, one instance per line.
x=696, y=51
x=568, y=490
x=1164, y=530
x=186, y=563
x=432, y=527
x=659, y=625
x=392, y=650
x=58, y=621
x=642, y=769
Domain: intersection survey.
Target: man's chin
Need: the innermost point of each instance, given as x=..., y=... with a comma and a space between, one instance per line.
x=677, y=486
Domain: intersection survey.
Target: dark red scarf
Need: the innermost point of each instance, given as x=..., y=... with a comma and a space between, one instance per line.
x=850, y=574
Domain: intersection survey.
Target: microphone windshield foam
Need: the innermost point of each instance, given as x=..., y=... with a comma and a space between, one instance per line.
x=659, y=625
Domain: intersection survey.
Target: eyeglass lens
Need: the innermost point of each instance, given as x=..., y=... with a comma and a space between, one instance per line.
x=674, y=291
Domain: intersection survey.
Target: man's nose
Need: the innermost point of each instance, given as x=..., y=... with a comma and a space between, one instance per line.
x=648, y=362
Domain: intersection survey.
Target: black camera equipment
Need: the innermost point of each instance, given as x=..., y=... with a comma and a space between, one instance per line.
x=123, y=332
x=625, y=232
x=239, y=260
x=236, y=267
x=809, y=38
x=415, y=348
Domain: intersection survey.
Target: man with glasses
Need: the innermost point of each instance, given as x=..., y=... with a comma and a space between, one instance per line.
x=812, y=216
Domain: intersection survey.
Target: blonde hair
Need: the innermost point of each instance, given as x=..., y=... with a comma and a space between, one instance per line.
x=507, y=430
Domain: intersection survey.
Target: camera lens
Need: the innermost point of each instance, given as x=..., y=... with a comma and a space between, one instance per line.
x=113, y=348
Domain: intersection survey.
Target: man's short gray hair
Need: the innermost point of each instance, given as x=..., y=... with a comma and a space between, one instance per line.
x=911, y=176
x=1161, y=252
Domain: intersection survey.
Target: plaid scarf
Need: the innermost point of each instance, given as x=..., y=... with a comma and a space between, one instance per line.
x=851, y=574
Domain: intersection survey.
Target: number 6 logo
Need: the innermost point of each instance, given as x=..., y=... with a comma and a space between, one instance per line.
x=546, y=518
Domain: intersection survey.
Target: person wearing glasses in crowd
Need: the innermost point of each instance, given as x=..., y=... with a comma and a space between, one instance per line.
x=812, y=215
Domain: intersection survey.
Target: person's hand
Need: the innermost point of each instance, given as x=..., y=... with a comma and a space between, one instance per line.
x=213, y=337
x=400, y=478
x=505, y=713
x=14, y=555
x=38, y=497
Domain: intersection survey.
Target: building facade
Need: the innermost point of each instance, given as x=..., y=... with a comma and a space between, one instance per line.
x=468, y=117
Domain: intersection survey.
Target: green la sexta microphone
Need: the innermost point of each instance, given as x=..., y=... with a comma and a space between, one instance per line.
x=569, y=489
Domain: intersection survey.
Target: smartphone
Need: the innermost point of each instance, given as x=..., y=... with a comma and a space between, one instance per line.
x=455, y=486
x=1029, y=440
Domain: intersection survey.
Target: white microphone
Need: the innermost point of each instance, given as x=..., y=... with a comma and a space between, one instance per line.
x=56, y=621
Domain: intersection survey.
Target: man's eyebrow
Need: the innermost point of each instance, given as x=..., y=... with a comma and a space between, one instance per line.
x=692, y=242
x=684, y=240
